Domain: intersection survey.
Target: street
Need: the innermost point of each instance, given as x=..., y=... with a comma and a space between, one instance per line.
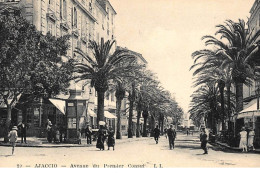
x=141, y=153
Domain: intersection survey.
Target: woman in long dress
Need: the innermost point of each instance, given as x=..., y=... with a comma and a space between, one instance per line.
x=111, y=139
x=243, y=140
x=101, y=138
x=251, y=136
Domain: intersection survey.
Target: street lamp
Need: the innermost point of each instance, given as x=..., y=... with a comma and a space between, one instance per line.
x=257, y=91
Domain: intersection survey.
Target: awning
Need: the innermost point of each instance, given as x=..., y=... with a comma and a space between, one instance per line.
x=91, y=113
x=249, y=112
x=109, y=115
x=60, y=104
x=84, y=112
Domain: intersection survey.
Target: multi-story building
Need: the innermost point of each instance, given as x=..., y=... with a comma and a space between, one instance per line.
x=84, y=20
x=250, y=117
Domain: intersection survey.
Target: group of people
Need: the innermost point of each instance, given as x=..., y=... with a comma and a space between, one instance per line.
x=170, y=134
x=54, y=133
x=88, y=134
x=105, y=135
x=247, y=139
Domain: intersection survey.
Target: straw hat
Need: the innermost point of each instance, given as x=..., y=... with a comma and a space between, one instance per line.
x=14, y=128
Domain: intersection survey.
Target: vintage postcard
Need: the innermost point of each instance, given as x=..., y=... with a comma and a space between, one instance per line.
x=129, y=83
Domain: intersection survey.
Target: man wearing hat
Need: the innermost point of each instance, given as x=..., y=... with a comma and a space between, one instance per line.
x=13, y=137
x=171, y=136
x=88, y=133
x=23, y=128
x=204, y=139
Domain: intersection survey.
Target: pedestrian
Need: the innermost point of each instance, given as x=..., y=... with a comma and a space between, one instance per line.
x=187, y=132
x=57, y=136
x=111, y=138
x=165, y=132
x=13, y=137
x=156, y=132
x=79, y=137
x=23, y=128
x=61, y=133
x=101, y=136
x=49, y=131
x=204, y=139
x=243, y=140
x=88, y=133
x=171, y=136
x=251, y=136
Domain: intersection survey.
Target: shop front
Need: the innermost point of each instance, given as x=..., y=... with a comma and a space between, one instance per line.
x=250, y=119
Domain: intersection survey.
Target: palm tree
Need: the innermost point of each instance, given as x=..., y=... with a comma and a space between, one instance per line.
x=205, y=104
x=237, y=54
x=131, y=98
x=102, y=67
x=122, y=84
x=210, y=70
x=132, y=90
x=146, y=85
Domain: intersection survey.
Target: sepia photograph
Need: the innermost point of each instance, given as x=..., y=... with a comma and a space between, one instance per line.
x=129, y=84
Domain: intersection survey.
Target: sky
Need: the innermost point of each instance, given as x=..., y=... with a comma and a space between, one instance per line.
x=167, y=32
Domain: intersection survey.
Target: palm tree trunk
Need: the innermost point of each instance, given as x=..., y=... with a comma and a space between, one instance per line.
x=145, y=116
x=239, y=96
x=130, y=122
x=162, y=121
x=100, y=110
x=138, y=124
x=221, y=90
x=228, y=86
x=118, y=114
x=152, y=126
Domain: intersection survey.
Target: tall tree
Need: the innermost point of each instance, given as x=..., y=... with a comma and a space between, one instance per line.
x=102, y=67
x=237, y=54
x=25, y=56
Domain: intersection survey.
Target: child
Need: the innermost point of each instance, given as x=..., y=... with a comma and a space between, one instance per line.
x=13, y=137
x=79, y=136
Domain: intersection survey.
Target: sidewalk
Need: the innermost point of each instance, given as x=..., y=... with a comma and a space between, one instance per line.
x=42, y=142
x=235, y=149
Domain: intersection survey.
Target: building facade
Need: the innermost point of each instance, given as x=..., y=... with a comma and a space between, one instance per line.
x=252, y=120
x=84, y=20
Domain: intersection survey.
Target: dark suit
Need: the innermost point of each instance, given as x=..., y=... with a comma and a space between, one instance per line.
x=156, y=132
x=171, y=136
x=204, y=141
x=23, y=128
x=88, y=135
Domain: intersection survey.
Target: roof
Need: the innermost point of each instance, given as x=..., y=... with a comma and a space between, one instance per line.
x=254, y=6
x=103, y=4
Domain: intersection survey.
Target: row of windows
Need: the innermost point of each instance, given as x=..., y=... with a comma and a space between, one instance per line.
x=106, y=95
